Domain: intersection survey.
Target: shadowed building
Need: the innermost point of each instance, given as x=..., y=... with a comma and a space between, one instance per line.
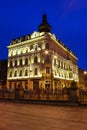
x=82, y=79
x=3, y=73
x=40, y=60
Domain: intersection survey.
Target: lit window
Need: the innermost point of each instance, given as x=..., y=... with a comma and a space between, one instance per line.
x=36, y=47
x=61, y=65
x=16, y=52
x=70, y=75
x=26, y=50
x=12, y=53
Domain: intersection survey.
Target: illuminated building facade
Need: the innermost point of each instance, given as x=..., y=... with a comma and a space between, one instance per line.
x=40, y=60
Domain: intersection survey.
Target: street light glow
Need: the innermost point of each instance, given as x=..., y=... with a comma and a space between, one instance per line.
x=46, y=52
x=85, y=72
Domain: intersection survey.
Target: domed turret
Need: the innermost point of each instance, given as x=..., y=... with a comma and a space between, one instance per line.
x=44, y=26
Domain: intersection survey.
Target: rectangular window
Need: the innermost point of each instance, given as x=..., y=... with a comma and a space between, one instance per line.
x=26, y=61
x=47, y=70
x=58, y=63
x=36, y=47
x=10, y=63
x=47, y=46
x=20, y=61
x=35, y=59
x=15, y=62
x=35, y=71
x=54, y=62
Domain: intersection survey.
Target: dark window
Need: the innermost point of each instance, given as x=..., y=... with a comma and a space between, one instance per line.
x=54, y=62
x=20, y=61
x=15, y=62
x=48, y=70
x=20, y=73
x=15, y=74
x=47, y=46
x=58, y=63
x=47, y=60
x=35, y=59
x=15, y=85
x=10, y=74
x=26, y=72
x=26, y=61
x=10, y=63
x=31, y=47
x=35, y=71
x=10, y=85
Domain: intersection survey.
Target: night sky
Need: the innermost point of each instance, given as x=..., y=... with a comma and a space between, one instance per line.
x=68, y=19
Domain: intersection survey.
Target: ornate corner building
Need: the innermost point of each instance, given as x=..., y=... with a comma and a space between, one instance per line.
x=40, y=60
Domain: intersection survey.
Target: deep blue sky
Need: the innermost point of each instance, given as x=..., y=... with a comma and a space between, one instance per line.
x=68, y=19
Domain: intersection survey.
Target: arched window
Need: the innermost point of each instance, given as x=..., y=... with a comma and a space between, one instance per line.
x=15, y=74
x=10, y=74
x=26, y=72
x=20, y=74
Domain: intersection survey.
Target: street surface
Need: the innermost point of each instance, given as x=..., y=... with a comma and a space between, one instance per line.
x=15, y=116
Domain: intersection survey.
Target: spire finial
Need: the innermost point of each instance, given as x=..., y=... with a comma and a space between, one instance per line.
x=44, y=26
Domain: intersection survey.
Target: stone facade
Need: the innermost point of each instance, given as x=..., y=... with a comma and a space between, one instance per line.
x=40, y=60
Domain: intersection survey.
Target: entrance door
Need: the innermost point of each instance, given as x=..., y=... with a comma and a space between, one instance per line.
x=35, y=86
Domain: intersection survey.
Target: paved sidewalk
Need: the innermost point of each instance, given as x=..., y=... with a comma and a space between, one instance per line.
x=16, y=116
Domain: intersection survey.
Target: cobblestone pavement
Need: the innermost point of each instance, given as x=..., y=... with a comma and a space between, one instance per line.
x=15, y=116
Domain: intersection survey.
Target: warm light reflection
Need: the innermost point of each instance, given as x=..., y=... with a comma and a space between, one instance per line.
x=55, y=57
